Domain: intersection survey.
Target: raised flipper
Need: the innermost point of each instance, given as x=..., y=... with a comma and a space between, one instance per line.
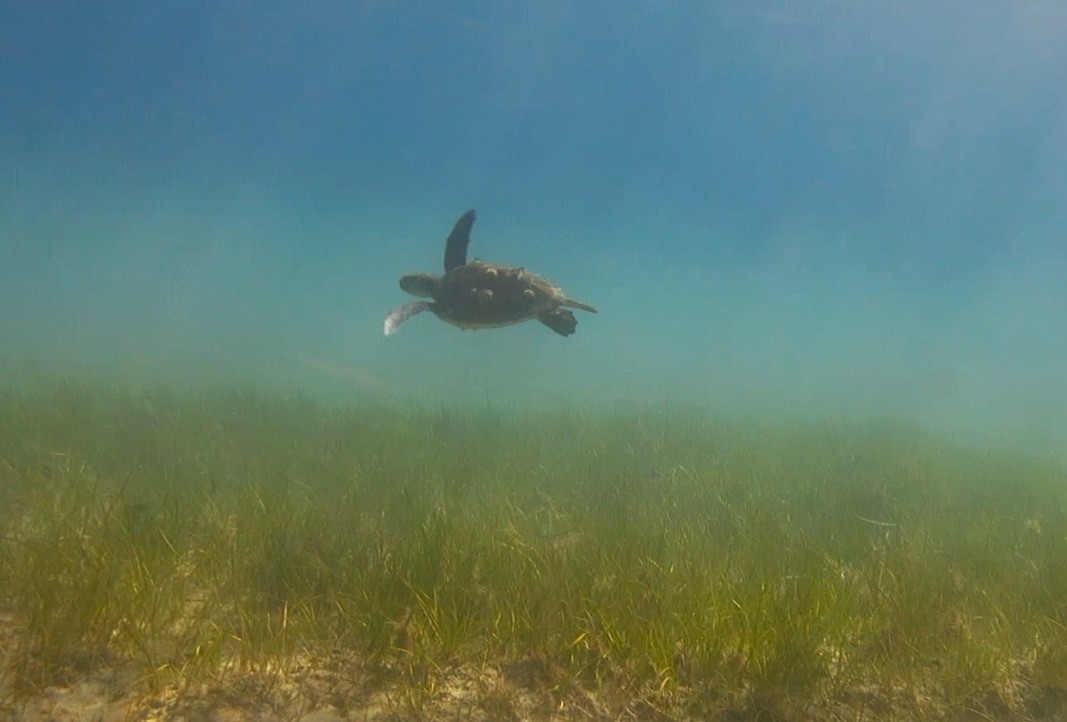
x=402, y=313
x=456, y=245
x=559, y=320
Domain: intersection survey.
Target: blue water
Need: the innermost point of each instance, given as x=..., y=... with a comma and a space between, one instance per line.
x=788, y=208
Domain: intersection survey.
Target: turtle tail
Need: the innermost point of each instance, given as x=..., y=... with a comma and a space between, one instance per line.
x=579, y=305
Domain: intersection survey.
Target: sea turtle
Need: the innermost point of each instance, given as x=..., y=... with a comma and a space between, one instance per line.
x=484, y=295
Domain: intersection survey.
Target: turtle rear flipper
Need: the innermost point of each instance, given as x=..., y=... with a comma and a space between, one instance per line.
x=559, y=320
x=402, y=313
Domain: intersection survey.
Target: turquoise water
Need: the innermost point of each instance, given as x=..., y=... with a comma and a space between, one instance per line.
x=786, y=208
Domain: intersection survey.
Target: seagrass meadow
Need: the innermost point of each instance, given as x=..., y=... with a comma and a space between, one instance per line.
x=191, y=555
x=806, y=463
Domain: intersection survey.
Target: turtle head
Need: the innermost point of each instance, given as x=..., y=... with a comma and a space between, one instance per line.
x=424, y=285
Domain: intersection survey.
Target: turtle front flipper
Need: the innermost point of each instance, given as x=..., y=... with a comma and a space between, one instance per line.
x=559, y=320
x=402, y=313
x=456, y=245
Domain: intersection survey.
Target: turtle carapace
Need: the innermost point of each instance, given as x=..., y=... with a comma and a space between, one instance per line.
x=484, y=295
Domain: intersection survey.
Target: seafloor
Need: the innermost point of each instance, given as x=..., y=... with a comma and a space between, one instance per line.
x=240, y=556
